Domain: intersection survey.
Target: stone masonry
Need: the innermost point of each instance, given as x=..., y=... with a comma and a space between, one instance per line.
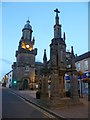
x=24, y=67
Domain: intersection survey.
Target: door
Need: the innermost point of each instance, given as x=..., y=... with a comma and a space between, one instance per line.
x=25, y=84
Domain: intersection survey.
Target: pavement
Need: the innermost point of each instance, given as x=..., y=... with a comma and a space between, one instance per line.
x=75, y=111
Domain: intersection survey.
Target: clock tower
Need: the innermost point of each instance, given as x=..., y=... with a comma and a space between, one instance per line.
x=24, y=68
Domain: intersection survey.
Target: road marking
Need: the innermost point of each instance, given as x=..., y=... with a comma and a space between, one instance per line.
x=41, y=110
x=36, y=107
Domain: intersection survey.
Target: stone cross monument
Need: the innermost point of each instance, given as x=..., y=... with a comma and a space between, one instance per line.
x=57, y=62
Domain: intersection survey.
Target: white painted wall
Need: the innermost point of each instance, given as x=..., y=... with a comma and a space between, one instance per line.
x=9, y=81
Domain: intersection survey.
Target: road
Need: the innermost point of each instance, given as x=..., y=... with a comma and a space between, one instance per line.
x=15, y=107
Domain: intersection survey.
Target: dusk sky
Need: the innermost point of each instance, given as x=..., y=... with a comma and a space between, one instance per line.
x=73, y=17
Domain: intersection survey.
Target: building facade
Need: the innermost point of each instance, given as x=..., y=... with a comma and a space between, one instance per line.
x=83, y=64
x=9, y=79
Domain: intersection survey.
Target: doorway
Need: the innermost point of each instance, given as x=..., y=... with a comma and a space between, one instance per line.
x=25, y=84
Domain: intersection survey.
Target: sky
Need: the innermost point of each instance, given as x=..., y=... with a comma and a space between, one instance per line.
x=88, y=26
x=73, y=17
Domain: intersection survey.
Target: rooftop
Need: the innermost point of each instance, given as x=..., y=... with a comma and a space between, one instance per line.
x=83, y=56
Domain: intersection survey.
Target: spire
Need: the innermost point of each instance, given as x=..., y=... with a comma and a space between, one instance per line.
x=57, y=17
x=33, y=40
x=72, y=52
x=45, y=58
x=72, y=58
x=64, y=36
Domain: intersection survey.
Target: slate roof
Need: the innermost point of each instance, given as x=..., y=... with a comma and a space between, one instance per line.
x=83, y=56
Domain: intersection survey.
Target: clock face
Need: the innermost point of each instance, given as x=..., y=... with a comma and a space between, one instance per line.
x=27, y=46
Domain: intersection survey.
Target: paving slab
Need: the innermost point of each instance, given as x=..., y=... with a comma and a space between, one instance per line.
x=75, y=111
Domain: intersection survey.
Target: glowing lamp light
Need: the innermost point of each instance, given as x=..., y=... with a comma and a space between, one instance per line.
x=23, y=45
x=30, y=49
x=27, y=46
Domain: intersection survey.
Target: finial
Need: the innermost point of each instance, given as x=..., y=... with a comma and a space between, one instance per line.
x=72, y=50
x=64, y=36
x=45, y=56
x=33, y=39
x=57, y=17
x=57, y=11
x=44, y=50
x=28, y=20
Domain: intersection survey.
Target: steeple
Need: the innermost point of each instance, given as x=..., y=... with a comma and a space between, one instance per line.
x=57, y=26
x=45, y=58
